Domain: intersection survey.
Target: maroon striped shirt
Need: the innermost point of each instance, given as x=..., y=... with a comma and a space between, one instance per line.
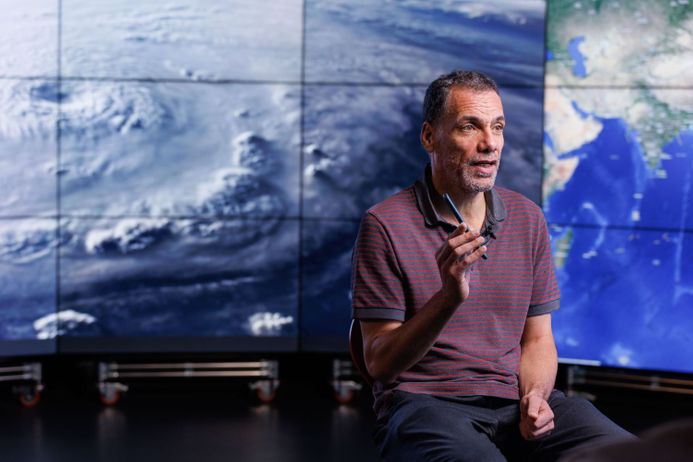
x=395, y=274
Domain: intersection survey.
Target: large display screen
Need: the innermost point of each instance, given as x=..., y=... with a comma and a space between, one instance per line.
x=190, y=175
x=197, y=170
x=150, y=161
x=617, y=188
x=367, y=67
x=28, y=171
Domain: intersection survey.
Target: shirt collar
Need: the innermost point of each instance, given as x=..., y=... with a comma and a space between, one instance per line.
x=425, y=193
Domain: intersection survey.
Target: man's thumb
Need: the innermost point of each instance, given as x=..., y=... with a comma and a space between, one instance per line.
x=533, y=408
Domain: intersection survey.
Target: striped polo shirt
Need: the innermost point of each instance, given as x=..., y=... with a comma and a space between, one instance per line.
x=395, y=273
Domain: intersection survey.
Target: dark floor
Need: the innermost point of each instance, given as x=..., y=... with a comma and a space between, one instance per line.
x=200, y=425
x=215, y=421
x=186, y=420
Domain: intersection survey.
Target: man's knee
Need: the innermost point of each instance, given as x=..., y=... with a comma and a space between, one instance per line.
x=430, y=433
x=418, y=417
x=588, y=420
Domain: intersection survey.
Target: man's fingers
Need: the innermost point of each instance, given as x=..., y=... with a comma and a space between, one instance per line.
x=531, y=432
x=544, y=418
x=544, y=430
x=477, y=254
x=458, y=247
x=469, y=247
x=460, y=230
x=456, y=240
x=451, y=243
x=468, y=254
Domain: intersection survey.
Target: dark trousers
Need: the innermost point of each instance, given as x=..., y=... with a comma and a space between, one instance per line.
x=420, y=427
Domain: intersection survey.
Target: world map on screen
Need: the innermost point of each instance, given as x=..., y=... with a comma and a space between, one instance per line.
x=618, y=169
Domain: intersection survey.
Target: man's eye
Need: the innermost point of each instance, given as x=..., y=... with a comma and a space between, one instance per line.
x=499, y=128
x=467, y=127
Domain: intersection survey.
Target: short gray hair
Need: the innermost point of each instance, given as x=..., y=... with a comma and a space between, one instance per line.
x=438, y=90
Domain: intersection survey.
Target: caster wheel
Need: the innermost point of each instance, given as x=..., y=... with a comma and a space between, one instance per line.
x=265, y=396
x=109, y=396
x=265, y=390
x=344, y=395
x=29, y=396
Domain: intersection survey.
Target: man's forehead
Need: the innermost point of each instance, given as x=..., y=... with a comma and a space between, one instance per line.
x=461, y=98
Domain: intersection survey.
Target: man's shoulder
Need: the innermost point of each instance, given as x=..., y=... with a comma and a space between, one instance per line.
x=399, y=204
x=517, y=203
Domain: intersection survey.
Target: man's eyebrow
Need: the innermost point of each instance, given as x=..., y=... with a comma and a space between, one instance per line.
x=468, y=118
x=475, y=119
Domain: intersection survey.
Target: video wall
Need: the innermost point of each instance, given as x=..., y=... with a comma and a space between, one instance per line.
x=617, y=187
x=368, y=64
x=190, y=176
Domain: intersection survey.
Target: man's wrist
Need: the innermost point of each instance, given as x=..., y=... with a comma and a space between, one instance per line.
x=535, y=391
x=448, y=300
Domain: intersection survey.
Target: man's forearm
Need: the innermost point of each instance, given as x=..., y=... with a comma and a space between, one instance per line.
x=538, y=366
x=397, y=350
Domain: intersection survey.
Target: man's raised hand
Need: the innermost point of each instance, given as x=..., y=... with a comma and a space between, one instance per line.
x=455, y=257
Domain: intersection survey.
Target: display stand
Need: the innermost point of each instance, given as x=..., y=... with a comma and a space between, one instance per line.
x=113, y=375
x=28, y=379
x=578, y=376
x=344, y=383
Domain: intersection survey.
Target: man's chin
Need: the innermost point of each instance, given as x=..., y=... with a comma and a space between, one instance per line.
x=477, y=185
x=483, y=188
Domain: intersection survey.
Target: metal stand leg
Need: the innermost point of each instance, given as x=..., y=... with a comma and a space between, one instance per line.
x=343, y=382
x=578, y=375
x=30, y=382
x=112, y=375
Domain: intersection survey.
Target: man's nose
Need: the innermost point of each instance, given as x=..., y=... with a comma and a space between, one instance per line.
x=488, y=142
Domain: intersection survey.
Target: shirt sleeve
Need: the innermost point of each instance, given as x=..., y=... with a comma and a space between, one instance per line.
x=376, y=278
x=545, y=292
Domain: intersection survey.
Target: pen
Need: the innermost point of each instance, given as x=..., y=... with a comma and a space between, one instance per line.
x=458, y=215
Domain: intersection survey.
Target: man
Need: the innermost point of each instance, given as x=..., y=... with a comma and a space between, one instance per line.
x=456, y=317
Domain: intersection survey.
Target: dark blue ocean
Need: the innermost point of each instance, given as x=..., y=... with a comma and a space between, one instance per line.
x=627, y=282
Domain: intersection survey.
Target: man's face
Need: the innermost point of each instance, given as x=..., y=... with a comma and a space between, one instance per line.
x=465, y=143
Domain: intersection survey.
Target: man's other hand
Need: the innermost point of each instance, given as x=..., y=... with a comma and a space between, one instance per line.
x=536, y=417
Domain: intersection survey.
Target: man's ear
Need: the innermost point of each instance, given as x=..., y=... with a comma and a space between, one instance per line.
x=427, y=137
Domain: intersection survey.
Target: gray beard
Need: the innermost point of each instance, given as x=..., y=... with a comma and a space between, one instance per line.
x=474, y=185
